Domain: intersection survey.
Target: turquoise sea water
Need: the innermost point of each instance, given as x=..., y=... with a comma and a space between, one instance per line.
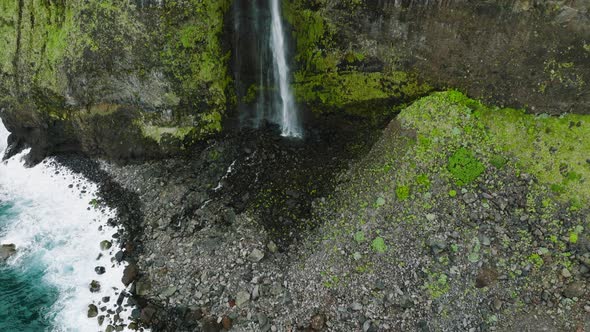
x=45, y=211
x=25, y=298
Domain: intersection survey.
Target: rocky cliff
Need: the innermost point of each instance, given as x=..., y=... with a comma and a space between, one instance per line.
x=120, y=79
x=146, y=78
x=518, y=53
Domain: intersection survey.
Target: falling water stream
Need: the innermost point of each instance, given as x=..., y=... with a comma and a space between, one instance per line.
x=288, y=119
x=261, y=67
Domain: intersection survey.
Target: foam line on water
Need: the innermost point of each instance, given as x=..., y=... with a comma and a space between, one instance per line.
x=55, y=223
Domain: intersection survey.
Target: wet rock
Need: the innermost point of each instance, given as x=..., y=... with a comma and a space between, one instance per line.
x=486, y=277
x=318, y=322
x=119, y=256
x=95, y=286
x=105, y=245
x=129, y=274
x=575, y=289
x=147, y=314
x=92, y=311
x=256, y=256
x=6, y=251
x=100, y=270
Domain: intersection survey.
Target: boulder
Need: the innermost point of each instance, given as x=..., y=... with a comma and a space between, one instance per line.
x=575, y=289
x=95, y=286
x=92, y=311
x=105, y=245
x=129, y=274
x=6, y=251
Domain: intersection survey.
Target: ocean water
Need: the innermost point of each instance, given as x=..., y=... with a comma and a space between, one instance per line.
x=46, y=212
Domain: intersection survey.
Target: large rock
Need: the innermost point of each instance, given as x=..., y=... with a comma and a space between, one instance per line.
x=130, y=274
x=575, y=289
x=92, y=311
x=6, y=251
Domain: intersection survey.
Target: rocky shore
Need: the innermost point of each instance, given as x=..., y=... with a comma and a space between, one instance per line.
x=392, y=240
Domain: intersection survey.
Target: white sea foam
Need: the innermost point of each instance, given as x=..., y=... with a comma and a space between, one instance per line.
x=55, y=224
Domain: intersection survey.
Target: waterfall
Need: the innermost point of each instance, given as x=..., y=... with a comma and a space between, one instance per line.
x=288, y=118
x=261, y=68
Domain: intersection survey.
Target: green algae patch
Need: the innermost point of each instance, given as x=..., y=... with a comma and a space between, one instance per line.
x=554, y=149
x=157, y=133
x=473, y=136
x=330, y=78
x=357, y=93
x=464, y=167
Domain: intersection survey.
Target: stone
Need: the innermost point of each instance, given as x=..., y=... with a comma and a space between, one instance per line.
x=272, y=247
x=6, y=251
x=256, y=256
x=255, y=292
x=119, y=256
x=469, y=198
x=242, y=298
x=565, y=273
x=100, y=270
x=105, y=245
x=486, y=277
x=262, y=319
x=357, y=306
x=168, y=292
x=575, y=289
x=194, y=315
x=226, y=322
x=437, y=246
x=129, y=274
x=147, y=314
x=497, y=304
x=95, y=286
x=92, y=311
x=143, y=287
x=318, y=322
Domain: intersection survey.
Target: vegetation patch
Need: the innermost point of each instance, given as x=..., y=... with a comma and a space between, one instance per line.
x=464, y=167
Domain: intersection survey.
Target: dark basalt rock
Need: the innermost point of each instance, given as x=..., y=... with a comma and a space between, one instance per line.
x=6, y=251
x=130, y=274
x=100, y=270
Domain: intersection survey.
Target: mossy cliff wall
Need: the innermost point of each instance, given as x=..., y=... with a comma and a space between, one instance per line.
x=117, y=78
x=143, y=78
x=518, y=53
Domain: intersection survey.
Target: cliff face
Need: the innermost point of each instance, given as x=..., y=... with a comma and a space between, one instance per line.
x=145, y=78
x=519, y=53
x=121, y=79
